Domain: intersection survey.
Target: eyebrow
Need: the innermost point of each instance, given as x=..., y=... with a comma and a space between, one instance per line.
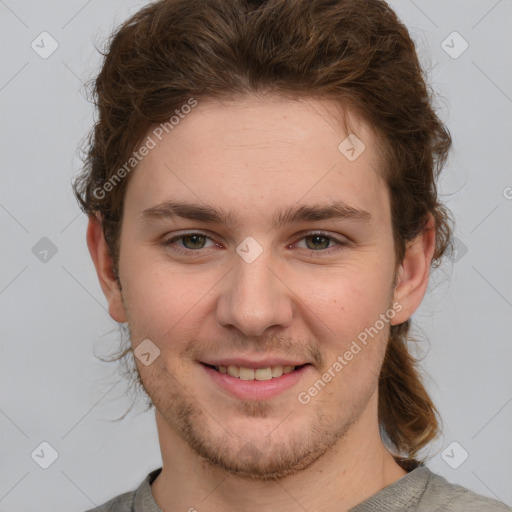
x=288, y=215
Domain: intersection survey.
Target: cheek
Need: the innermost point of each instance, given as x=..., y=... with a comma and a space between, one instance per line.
x=348, y=298
x=155, y=300
x=164, y=303
x=349, y=328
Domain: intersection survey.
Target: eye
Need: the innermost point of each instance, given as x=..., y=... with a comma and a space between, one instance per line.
x=320, y=241
x=192, y=241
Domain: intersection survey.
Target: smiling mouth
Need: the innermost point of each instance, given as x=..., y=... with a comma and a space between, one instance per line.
x=242, y=373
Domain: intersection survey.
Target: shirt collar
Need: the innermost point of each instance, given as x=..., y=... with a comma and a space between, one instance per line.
x=143, y=500
x=402, y=492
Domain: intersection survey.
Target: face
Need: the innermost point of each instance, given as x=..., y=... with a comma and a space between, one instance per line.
x=255, y=256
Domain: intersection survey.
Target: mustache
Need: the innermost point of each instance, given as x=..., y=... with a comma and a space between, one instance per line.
x=279, y=346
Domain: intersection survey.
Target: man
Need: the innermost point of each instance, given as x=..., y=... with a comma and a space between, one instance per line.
x=263, y=215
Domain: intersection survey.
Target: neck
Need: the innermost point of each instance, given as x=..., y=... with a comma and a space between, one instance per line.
x=354, y=469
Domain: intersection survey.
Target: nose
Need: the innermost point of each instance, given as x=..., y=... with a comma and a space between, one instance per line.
x=254, y=296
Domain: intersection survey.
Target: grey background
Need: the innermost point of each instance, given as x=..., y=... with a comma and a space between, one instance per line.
x=53, y=314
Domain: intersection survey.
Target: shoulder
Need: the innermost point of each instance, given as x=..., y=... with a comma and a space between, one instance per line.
x=140, y=500
x=441, y=495
x=121, y=503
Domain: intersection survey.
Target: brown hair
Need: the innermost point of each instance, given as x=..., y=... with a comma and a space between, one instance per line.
x=354, y=51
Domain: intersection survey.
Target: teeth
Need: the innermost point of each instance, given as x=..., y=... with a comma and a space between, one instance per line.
x=246, y=373
x=263, y=374
x=255, y=374
x=277, y=371
x=234, y=371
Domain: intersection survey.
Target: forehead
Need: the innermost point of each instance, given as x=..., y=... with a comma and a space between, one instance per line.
x=255, y=154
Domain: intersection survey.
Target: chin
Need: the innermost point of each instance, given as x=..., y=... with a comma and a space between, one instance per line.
x=255, y=448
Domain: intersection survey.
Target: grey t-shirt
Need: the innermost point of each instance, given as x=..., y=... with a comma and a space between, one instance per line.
x=419, y=491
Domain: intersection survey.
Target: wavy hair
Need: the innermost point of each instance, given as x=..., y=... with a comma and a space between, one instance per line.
x=356, y=52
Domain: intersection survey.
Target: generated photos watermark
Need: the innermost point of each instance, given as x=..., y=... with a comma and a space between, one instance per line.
x=305, y=397
x=149, y=144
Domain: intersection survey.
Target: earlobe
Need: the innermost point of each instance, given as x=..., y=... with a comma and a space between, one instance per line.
x=103, y=263
x=414, y=272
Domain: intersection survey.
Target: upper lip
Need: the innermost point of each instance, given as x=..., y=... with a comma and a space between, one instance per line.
x=251, y=363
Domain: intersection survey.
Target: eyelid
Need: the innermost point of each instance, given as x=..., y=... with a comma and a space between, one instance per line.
x=168, y=242
x=339, y=240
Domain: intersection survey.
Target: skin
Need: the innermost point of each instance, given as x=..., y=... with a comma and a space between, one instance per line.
x=299, y=300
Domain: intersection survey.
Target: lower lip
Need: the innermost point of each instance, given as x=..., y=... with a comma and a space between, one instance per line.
x=256, y=389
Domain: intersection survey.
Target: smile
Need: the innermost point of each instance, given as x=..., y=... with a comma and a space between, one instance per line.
x=261, y=383
x=243, y=373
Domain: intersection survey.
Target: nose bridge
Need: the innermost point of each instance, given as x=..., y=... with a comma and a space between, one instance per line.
x=253, y=298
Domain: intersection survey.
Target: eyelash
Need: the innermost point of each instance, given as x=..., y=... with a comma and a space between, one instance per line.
x=188, y=252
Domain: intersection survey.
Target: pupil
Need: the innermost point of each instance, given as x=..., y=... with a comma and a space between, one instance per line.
x=196, y=240
x=318, y=238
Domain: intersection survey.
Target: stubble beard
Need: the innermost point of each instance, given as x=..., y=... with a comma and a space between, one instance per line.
x=242, y=454
x=237, y=453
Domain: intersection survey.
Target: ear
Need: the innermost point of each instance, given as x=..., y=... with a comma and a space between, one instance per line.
x=414, y=272
x=103, y=262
